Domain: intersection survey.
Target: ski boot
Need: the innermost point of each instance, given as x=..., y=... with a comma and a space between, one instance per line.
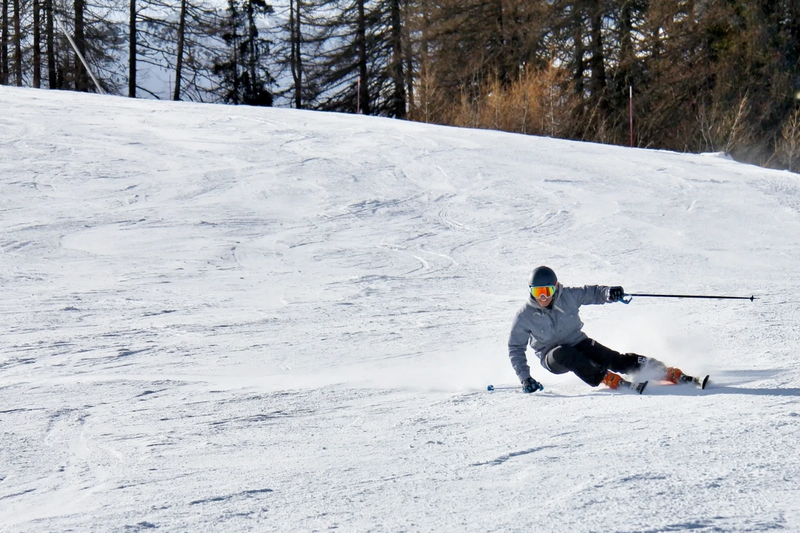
x=615, y=381
x=676, y=375
x=655, y=369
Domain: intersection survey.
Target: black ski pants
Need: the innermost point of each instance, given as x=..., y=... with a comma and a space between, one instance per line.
x=590, y=361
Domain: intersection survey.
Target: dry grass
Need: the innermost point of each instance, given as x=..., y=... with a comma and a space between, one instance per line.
x=533, y=104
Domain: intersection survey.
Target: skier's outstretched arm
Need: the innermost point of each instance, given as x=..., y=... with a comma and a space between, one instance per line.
x=600, y=294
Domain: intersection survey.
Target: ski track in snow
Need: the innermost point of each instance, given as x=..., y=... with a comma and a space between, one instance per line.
x=228, y=318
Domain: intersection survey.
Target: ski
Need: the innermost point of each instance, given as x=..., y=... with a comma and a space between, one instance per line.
x=701, y=382
x=636, y=386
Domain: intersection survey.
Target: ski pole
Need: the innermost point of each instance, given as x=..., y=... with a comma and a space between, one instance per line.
x=626, y=298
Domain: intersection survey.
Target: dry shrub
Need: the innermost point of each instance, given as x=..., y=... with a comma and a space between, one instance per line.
x=429, y=99
x=788, y=148
x=532, y=104
x=725, y=129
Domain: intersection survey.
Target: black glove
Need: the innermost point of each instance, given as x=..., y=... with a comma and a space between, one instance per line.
x=615, y=294
x=531, y=385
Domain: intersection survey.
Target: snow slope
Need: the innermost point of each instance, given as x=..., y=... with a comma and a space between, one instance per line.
x=236, y=319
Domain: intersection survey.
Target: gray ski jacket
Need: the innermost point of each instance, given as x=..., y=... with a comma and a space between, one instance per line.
x=546, y=328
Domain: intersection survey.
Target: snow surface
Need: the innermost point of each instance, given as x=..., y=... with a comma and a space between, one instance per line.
x=235, y=319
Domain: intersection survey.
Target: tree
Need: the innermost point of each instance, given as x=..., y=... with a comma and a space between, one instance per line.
x=358, y=64
x=244, y=76
x=50, y=46
x=398, y=99
x=181, y=44
x=256, y=50
x=4, y=46
x=99, y=37
x=132, y=35
x=789, y=144
x=81, y=76
x=177, y=39
x=362, y=103
x=296, y=56
x=597, y=65
x=17, y=44
x=37, y=53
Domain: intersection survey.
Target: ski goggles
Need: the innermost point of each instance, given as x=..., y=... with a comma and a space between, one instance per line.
x=545, y=290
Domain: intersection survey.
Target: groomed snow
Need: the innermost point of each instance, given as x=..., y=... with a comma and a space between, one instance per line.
x=225, y=318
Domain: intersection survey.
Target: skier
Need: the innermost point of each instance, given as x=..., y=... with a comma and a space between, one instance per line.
x=549, y=321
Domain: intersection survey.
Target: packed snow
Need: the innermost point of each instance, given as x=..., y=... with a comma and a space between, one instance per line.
x=222, y=318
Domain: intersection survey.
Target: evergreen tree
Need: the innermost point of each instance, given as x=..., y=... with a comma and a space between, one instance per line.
x=244, y=76
x=360, y=67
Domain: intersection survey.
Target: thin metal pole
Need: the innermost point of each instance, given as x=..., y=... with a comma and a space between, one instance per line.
x=751, y=298
x=80, y=56
x=630, y=113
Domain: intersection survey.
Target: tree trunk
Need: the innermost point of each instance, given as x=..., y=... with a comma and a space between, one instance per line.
x=578, y=63
x=37, y=48
x=179, y=63
x=132, y=50
x=295, y=59
x=597, y=58
x=500, y=45
x=361, y=45
x=4, y=46
x=627, y=59
x=299, y=57
x=252, y=63
x=51, y=55
x=81, y=83
x=17, y=44
x=409, y=59
x=793, y=23
x=399, y=97
x=424, y=66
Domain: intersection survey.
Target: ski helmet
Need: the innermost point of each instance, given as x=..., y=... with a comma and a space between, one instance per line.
x=542, y=276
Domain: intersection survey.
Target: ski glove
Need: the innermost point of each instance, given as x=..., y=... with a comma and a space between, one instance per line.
x=531, y=385
x=615, y=294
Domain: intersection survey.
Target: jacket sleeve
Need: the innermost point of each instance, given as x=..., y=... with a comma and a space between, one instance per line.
x=593, y=295
x=517, y=344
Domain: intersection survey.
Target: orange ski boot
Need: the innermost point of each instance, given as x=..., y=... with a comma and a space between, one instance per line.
x=674, y=375
x=615, y=381
x=612, y=380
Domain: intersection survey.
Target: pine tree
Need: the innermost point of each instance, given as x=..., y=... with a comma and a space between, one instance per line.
x=359, y=67
x=244, y=76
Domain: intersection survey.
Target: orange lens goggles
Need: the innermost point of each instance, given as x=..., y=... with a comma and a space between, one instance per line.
x=546, y=290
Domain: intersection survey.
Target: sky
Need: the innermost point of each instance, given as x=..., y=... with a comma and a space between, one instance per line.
x=221, y=318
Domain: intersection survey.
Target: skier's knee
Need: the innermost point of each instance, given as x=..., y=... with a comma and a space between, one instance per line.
x=556, y=362
x=564, y=356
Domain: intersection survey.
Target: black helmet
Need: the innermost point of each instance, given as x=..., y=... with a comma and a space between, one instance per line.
x=542, y=276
